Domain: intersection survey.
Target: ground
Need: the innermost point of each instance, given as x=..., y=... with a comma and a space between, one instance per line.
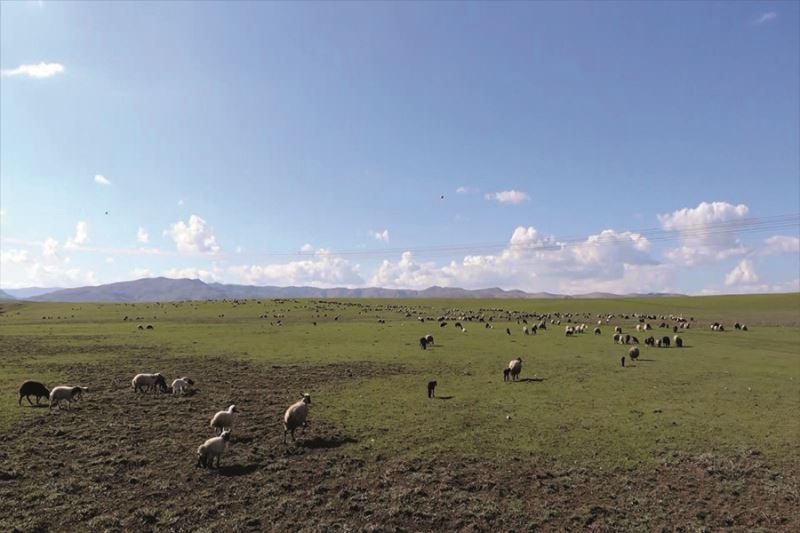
x=700, y=437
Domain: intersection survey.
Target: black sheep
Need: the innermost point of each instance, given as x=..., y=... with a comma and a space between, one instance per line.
x=33, y=388
x=431, y=389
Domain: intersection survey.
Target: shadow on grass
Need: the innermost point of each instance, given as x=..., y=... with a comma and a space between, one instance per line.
x=530, y=380
x=444, y=397
x=236, y=470
x=327, y=442
x=647, y=360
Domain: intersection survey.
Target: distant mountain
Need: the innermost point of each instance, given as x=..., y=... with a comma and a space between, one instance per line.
x=170, y=290
x=5, y=296
x=30, y=292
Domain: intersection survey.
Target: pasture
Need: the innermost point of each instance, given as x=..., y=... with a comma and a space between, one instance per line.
x=707, y=435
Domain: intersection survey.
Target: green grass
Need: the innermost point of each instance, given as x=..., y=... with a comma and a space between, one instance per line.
x=725, y=392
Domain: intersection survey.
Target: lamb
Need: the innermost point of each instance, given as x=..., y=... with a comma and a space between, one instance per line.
x=67, y=393
x=181, y=385
x=224, y=419
x=213, y=447
x=633, y=353
x=515, y=367
x=33, y=388
x=432, y=389
x=678, y=341
x=296, y=416
x=149, y=382
x=423, y=343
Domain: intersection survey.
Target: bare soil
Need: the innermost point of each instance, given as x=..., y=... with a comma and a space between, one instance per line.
x=125, y=461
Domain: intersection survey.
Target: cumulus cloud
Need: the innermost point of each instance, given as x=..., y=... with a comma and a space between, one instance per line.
x=81, y=235
x=196, y=236
x=382, y=236
x=533, y=261
x=41, y=70
x=508, y=197
x=15, y=256
x=57, y=275
x=781, y=244
x=743, y=274
x=101, y=180
x=706, y=232
x=142, y=236
x=139, y=273
x=307, y=247
x=766, y=17
x=323, y=270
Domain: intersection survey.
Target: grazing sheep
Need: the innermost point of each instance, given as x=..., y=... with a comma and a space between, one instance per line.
x=617, y=329
x=423, y=343
x=744, y=328
x=213, y=447
x=508, y=331
x=149, y=382
x=616, y=337
x=429, y=339
x=458, y=325
x=224, y=419
x=525, y=330
x=678, y=341
x=737, y=326
x=633, y=353
x=533, y=329
x=638, y=327
x=296, y=416
x=597, y=331
x=665, y=342
x=627, y=339
x=650, y=341
x=33, y=388
x=515, y=366
x=569, y=331
x=64, y=392
x=634, y=340
x=506, y=374
x=658, y=343
x=432, y=389
x=181, y=385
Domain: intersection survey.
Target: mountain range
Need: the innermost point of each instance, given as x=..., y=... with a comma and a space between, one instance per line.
x=170, y=290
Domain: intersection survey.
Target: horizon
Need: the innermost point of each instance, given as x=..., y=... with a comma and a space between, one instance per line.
x=562, y=148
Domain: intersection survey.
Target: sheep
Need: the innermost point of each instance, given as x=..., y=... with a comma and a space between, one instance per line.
x=508, y=331
x=627, y=339
x=650, y=341
x=67, y=393
x=224, y=419
x=634, y=340
x=149, y=382
x=506, y=374
x=678, y=341
x=617, y=329
x=616, y=337
x=515, y=367
x=423, y=343
x=638, y=327
x=181, y=385
x=432, y=389
x=33, y=388
x=569, y=331
x=658, y=343
x=458, y=325
x=213, y=447
x=525, y=330
x=665, y=342
x=744, y=328
x=296, y=416
x=533, y=329
x=633, y=353
x=429, y=339
x=597, y=331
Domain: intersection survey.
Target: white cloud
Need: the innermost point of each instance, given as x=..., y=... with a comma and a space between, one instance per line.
x=55, y=275
x=535, y=262
x=196, y=236
x=42, y=70
x=323, y=270
x=192, y=273
x=743, y=274
x=102, y=180
x=139, y=273
x=781, y=244
x=766, y=17
x=307, y=247
x=382, y=236
x=50, y=247
x=508, y=197
x=465, y=189
x=15, y=256
x=81, y=235
x=707, y=232
x=142, y=236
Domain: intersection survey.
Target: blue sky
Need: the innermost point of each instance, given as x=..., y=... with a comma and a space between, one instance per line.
x=578, y=146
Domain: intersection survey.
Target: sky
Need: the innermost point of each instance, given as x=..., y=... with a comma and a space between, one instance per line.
x=563, y=147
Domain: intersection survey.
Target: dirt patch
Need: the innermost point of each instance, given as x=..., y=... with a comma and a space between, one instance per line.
x=125, y=461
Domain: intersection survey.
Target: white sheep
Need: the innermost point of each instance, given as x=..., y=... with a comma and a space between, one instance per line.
x=213, y=447
x=181, y=385
x=148, y=382
x=67, y=393
x=296, y=416
x=224, y=419
x=515, y=367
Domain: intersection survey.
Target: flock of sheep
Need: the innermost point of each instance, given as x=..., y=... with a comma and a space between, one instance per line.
x=296, y=415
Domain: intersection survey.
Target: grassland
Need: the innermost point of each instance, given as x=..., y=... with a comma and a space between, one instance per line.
x=726, y=398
